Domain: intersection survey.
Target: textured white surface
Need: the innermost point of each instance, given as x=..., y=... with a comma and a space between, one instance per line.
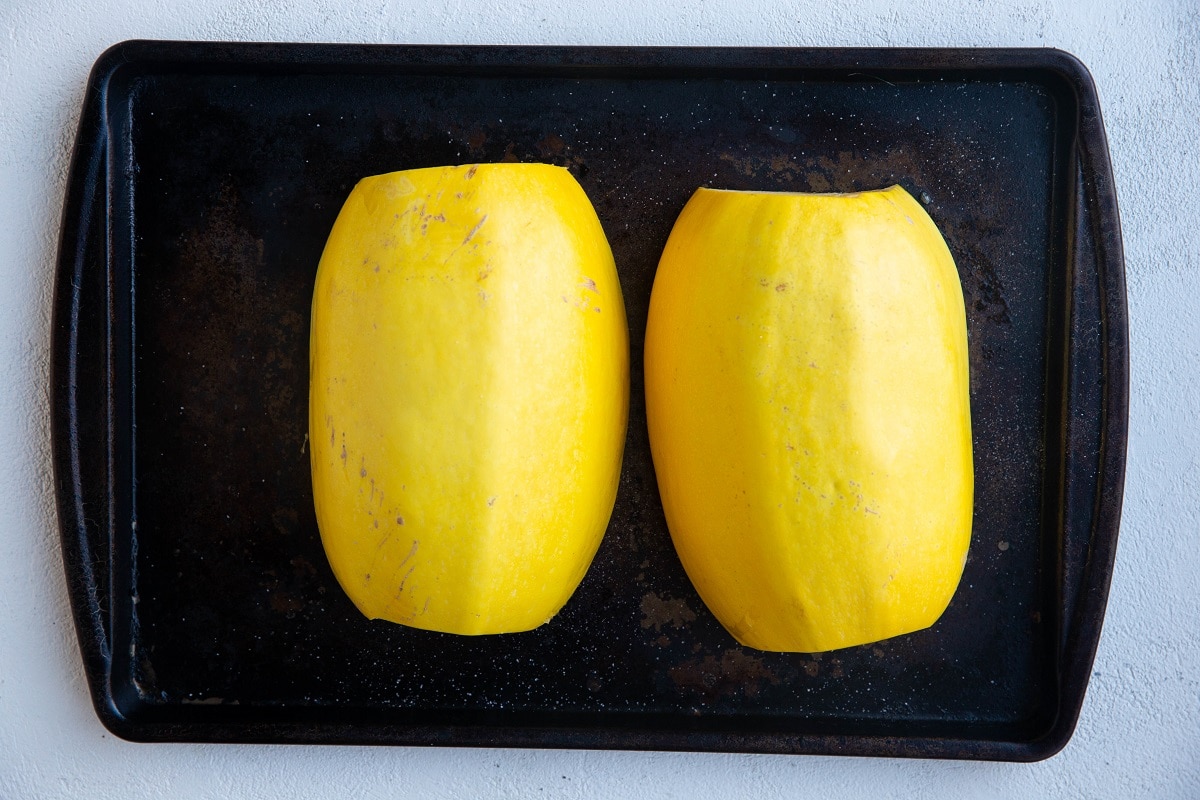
x=1137, y=736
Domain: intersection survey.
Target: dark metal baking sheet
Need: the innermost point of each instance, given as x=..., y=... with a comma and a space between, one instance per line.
x=205, y=179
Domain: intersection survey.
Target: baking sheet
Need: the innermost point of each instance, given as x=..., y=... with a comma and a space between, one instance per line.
x=205, y=181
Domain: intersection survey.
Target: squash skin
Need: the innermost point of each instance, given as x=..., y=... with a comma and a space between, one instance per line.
x=468, y=395
x=807, y=398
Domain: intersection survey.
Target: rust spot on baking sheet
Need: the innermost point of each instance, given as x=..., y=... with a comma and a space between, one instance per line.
x=658, y=612
x=734, y=672
x=551, y=145
x=285, y=603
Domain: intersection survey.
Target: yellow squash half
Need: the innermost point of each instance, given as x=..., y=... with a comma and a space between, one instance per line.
x=808, y=409
x=469, y=395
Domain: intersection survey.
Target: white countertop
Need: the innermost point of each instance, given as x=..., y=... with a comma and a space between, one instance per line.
x=1137, y=735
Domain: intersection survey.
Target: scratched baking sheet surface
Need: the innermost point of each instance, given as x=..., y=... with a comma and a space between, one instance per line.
x=233, y=178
